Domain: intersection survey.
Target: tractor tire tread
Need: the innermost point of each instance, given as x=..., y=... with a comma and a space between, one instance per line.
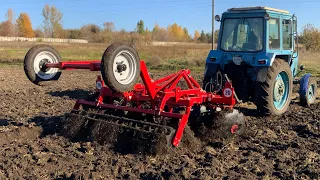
x=264, y=100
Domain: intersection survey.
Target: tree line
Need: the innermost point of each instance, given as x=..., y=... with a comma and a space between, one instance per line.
x=52, y=28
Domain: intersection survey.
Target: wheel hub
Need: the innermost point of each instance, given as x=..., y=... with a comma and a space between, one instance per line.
x=121, y=67
x=42, y=65
x=39, y=65
x=124, y=67
x=279, y=90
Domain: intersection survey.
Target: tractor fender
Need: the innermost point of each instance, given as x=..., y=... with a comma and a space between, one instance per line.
x=273, y=57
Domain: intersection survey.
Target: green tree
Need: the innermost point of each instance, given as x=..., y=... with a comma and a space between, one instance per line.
x=74, y=34
x=208, y=38
x=202, y=37
x=140, y=27
x=186, y=32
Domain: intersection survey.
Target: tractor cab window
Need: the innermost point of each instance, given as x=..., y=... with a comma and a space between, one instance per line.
x=287, y=34
x=242, y=34
x=274, y=34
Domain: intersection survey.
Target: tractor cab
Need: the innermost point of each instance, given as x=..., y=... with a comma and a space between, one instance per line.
x=252, y=43
x=256, y=29
x=256, y=36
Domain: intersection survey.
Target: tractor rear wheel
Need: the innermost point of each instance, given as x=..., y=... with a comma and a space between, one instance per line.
x=120, y=67
x=275, y=92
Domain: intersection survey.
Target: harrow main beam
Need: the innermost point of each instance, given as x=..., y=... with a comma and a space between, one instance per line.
x=93, y=65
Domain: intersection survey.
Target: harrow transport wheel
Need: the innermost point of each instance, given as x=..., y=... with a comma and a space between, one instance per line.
x=276, y=91
x=35, y=60
x=308, y=90
x=120, y=67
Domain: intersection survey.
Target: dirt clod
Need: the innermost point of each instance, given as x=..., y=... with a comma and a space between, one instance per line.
x=37, y=142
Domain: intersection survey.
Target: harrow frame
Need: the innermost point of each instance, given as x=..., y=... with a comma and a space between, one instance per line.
x=164, y=94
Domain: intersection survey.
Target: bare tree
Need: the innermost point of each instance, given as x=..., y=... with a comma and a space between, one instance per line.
x=108, y=26
x=52, y=26
x=9, y=15
x=7, y=28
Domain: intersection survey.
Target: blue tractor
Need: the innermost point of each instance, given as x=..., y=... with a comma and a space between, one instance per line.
x=257, y=51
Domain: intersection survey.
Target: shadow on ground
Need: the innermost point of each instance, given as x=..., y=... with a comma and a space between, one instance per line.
x=72, y=94
x=6, y=122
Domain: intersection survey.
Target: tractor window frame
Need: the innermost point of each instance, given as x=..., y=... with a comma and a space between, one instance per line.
x=274, y=42
x=287, y=35
x=295, y=34
x=235, y=34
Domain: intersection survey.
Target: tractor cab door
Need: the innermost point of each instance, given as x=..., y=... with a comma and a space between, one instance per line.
x=289, y=31
x=282, y=32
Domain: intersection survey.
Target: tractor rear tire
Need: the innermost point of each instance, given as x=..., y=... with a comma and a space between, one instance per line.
x=275, y=92
x=120, y=67
x=34, y=60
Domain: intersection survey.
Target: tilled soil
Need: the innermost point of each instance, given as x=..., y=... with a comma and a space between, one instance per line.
x=285, y=147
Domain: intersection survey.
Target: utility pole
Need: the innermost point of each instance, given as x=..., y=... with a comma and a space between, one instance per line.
x=212, y=24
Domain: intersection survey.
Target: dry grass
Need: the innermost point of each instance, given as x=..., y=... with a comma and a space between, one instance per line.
x=173, y=57
x=15, y=51
x=311, y=62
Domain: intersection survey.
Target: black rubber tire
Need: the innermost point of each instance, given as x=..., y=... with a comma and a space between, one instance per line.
x=264, y=99
x=304, y=101
x=107, y=67
x=29, y=64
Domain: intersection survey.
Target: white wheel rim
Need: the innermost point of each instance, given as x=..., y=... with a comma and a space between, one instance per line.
x=45, y=56
x=126, y=59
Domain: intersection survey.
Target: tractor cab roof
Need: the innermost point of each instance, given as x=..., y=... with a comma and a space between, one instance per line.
x=257, y=8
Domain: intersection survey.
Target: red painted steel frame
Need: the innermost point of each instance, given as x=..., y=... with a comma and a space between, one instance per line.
x=162, y=92
x=93, y=65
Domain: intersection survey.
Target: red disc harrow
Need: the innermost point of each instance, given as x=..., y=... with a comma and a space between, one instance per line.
x=164, y=96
